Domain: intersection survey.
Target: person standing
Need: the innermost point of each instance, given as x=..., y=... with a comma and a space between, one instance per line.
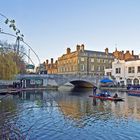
x=94, y=90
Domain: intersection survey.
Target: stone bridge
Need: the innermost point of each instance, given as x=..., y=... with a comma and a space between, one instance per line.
x=57, y=80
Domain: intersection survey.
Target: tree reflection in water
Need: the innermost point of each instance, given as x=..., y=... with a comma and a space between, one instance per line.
x=25, y=114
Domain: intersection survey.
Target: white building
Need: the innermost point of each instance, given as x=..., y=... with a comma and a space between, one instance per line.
x=125, y=72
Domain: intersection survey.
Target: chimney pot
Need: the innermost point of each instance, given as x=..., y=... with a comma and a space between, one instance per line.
x=82, y=47
x=106, y=51
x=68, y=50
x=132, y=52
x=47, y=61
x=78, y=47
x=51, y=60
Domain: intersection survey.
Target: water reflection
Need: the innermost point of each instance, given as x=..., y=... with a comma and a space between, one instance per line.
x=31, y=95
x=39, y=114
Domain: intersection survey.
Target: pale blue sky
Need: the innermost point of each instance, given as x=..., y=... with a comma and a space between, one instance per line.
x=50, y=26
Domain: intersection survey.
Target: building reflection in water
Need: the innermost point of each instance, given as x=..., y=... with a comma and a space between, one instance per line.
x=79, y=106
x=76, y=104
x=65, y=105
x=31, y=95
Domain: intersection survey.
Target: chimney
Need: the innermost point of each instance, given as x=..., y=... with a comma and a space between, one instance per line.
x=56, y=62
x=47, y=61
x=68, y=50
x=132, y=52
x=78, y=48
x=51, y=60
x=122, y=55
x=106, y=51
x=82, y=47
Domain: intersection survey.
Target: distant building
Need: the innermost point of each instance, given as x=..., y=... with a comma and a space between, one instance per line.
x=41, y=69
x=84, y=62
x=51, y=67
x=120, y=55
x=125, y=72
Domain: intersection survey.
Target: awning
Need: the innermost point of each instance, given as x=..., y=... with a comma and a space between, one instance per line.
x=106, y=80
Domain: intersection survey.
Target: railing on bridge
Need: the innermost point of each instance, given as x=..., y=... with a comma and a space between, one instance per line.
x=61, y=79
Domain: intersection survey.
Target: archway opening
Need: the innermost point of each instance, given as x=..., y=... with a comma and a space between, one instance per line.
x=80, y=83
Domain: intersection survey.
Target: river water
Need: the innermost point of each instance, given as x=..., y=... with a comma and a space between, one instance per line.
x=68, y=114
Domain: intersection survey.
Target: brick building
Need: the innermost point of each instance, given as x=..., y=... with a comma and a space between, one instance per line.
x=83, y=61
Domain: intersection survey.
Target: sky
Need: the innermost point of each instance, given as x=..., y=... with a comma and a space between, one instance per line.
x=52, y=26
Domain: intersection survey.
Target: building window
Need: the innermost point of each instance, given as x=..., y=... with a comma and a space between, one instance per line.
x=108, y=73
x=131, y=70
x=82, y=59
x=118, y=70
x=103, y=61
x=92, y=59
x=98, y=60
x=82, y=67
x=98, y=68
x=138, y=69
x=92, y=68
x=110, y=61
x=72, y=68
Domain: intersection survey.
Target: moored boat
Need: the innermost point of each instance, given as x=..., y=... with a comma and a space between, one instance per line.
x=134, y=90
x=134, y=93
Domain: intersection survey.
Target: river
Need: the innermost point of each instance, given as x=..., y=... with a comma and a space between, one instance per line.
x=68, y=114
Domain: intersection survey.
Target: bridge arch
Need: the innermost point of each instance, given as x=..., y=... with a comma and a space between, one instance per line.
x=82, y=83
x=77, y=81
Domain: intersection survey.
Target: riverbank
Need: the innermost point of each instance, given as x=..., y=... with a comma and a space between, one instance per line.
x=16, y=90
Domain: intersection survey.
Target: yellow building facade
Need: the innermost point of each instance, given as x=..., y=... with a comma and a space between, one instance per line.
x=85, y=62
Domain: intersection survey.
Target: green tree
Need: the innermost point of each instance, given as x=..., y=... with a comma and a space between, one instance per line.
x=8, y=67
x=11, y=63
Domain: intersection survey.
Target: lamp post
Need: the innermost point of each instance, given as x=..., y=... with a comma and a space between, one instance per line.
x=1, y=48
x=11, y=24
x=18, y=36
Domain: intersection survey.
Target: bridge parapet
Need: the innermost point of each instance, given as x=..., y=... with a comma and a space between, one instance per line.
x=61, y=79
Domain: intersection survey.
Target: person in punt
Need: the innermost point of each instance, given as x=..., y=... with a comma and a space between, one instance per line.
x=94, y=90
x=115, y=96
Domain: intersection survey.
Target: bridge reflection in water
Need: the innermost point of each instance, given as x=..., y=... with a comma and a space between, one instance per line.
x=69, y=114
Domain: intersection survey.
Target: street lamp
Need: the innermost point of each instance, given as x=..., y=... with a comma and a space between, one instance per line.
x=20, y=39
x=18, y=36
x=1, y=49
